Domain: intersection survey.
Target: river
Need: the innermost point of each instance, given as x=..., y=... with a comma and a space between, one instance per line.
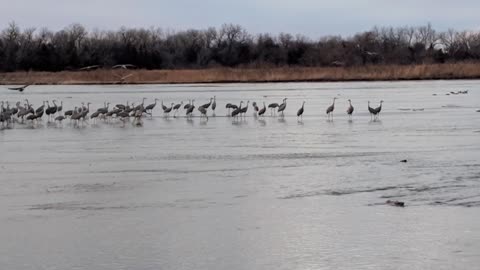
x=252, y=193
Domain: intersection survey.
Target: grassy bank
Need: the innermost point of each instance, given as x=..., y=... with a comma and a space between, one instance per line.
x=218, y=75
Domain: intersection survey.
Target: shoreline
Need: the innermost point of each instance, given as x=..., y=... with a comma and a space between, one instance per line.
x=458, y=71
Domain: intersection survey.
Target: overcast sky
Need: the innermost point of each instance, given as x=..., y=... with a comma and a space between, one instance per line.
x=313, y=18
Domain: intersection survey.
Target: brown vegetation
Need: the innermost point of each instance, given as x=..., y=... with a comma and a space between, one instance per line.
x=218, y=75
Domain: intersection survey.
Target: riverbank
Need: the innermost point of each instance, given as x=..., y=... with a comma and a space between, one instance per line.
x=245, y=75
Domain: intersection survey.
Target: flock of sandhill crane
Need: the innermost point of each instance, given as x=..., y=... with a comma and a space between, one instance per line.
x=19, y=113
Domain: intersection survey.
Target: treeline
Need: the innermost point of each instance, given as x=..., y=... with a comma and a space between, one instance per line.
x=230, y=46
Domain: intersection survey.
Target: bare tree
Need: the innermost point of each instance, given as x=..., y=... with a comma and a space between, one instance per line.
x=75, y=47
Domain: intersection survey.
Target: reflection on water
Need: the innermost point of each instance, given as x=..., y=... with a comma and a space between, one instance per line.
x=246, y=193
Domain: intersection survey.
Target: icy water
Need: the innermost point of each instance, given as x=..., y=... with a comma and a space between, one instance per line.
x=251, y=194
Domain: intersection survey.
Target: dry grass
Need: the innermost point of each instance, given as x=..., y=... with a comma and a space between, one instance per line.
x=287, y=74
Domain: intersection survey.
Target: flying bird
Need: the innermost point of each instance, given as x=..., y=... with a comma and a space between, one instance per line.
x=123, y=78
x=20, y=89
x=88, y=68
x=125, y=66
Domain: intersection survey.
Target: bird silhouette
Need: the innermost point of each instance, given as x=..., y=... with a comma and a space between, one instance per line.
x=330, y=109
x=20, y=89
x=282, y=106
x=350, y=109
x=300, y=111
x=261, y=112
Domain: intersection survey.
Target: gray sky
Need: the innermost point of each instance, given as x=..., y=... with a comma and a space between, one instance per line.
x=313, y=18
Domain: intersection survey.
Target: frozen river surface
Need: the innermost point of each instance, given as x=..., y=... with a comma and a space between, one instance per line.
x=269, y=193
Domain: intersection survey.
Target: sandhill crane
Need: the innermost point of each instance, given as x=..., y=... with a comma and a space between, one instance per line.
x=83, y=108
x=141, y=105
x=20, y=89
x=76, y=115
x=23, y=112
x=350, y=109
x=94, y=116
x=88, y=68
x=5, y=117
x=238, y=110
x=300, y=111
x=255, y=108
x=102, y=111
x=168, y=110
x=138, y=115
x=207, y=105
x=378, y=109
x=128, y=109
x=60, y=118
x=214, y=104
x=203, y=112
x=40, y=109
x=68, y=113
x=39, y=115
x=176, y=107
x=188, y=105
x=51, y=110
x=85, y=112
x=10, y=113
x=16, y=108
x=245, y=109
x=60, y=108
x=282, y=107
x=190, y=109
x=29, y=106
x=132, y=113
x=31, y=117
x=124, y=66
x=272, y=107
x=48, y=110
x=330, y=109
x=7, y=114
x=26, y=110
x=151, y=106
x=371, y=110
x=230, y=107
x=114, y=112
x=123, y=115
x=261, y=112
x=121, y=79
x=163, y=106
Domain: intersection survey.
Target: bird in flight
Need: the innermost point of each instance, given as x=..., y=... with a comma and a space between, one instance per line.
x=20, y=89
